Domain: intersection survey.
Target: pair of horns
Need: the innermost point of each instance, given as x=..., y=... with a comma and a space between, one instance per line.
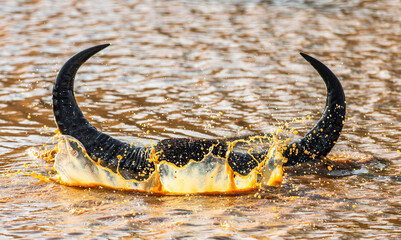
x=133, y=162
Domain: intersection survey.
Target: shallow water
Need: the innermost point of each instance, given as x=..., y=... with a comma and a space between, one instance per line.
x=204, y=69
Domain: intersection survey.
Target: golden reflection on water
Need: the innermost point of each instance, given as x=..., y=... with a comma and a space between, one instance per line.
x=212, y=175
x=174, y=67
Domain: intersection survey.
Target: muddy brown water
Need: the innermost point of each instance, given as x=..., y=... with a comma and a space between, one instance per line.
x=204, y=69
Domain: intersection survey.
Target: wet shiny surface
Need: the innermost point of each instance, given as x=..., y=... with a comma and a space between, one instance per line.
x=204, y=69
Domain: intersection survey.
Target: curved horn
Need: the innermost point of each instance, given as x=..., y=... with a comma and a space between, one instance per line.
x=130, y=161
x=133, y=162
x=323, y=136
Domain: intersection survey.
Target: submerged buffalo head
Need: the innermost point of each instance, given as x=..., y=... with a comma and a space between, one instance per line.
x=134, y=162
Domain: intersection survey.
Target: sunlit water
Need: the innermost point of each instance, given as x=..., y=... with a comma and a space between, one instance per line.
x=204, y=69
x=210, y=175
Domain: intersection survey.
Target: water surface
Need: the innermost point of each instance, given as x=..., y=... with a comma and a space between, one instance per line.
x=204, y=69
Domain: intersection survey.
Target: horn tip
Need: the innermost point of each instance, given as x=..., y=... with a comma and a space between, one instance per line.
x=103, y=46
x=307, y=57
x=98, y=48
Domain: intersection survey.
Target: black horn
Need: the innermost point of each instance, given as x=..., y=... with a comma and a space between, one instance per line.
x=323, y=136
x=130, y=161
x=134, y=162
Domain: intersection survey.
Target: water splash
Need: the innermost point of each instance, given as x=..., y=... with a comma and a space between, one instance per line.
x=211, y=175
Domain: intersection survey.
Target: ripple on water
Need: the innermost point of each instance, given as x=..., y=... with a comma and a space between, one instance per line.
x=239, y=58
